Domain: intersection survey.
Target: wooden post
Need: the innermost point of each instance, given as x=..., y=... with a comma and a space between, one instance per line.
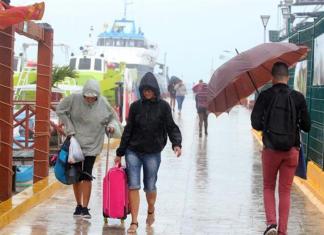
x=6, y=111
x=43, y=104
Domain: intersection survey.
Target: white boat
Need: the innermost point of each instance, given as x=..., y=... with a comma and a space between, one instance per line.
x=124, y=49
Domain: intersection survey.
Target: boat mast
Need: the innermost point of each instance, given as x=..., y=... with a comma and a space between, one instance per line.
x=126, y=2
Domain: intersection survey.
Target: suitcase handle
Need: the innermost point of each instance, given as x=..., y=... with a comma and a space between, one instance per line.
x=108, y=148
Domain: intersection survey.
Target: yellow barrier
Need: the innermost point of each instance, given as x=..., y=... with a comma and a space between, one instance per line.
x=32, y=196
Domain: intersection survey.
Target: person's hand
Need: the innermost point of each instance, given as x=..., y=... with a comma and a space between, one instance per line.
x=110, y=129
x=117, y=160
x=177, y=151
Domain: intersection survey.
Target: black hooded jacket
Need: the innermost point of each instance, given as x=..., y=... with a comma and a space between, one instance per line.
x=149, y=122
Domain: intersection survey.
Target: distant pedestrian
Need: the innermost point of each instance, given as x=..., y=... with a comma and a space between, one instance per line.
x=145, y=135
x=181, y=91
x=280, y=113
x=87, y=116
x=172, y=93
x=201, y=91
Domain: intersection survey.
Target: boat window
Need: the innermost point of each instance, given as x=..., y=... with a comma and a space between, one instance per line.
x=130, y=43
x=118, y=43
x=72, y=63
x=98, y=64
x=139, y=43
x=85, y=63
x=108, y=42
x=101, y=42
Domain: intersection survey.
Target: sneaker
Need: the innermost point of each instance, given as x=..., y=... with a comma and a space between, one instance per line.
x=85, y=213
x=78, y=211
x=271, y=230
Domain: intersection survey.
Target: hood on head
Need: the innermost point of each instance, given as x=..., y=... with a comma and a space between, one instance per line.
x=91, y=87
x=149, y=81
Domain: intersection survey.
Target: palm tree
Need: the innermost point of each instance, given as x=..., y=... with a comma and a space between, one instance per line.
x=60, y=73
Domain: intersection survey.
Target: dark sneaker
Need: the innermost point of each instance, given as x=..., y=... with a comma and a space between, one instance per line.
x=78, y=211
x=271, y=230
x=85, y=213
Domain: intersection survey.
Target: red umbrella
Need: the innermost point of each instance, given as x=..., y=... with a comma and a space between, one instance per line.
x=245, y=73
x=197, y=87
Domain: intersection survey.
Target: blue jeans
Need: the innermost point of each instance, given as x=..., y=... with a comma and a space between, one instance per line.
x=150, y=162
x=180, y=101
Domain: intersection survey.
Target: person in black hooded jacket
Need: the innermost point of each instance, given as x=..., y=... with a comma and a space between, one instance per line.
x=145, y=135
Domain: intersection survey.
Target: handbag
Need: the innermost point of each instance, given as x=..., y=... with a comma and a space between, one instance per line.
x=75, y=151
x=64, y=172
x=301, y=170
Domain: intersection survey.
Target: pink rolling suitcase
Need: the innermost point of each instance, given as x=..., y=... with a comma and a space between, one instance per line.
x=115, y=192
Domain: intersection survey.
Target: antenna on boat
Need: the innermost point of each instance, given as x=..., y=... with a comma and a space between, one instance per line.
x=126, y=2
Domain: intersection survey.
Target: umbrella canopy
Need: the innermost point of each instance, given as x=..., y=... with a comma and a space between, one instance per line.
x=174, y=80
x=245, y=73
x=197, y=87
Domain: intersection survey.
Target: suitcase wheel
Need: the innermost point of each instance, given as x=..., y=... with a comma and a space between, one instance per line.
x=122, y=221
x=106, y=220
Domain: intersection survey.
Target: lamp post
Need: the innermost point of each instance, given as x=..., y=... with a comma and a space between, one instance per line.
x=265, y=20
x=286, y=11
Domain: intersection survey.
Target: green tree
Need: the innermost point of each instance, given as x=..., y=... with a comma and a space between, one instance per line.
x=61, y=72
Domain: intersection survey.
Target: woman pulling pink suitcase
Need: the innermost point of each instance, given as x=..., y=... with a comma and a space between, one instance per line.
x=145, y=135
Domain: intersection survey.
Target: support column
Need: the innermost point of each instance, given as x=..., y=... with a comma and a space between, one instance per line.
x=43, y=104
x=6, y=111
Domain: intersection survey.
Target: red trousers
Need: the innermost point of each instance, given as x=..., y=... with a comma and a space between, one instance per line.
x=284, y=163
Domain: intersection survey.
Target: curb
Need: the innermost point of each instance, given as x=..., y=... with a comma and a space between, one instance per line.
x=306, y=186
x=22, y=202
x=27, y=199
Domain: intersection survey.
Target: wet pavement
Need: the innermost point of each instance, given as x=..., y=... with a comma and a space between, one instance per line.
x=214, y=188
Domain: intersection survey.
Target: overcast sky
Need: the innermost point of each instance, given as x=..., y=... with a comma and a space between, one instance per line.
x=192, y=33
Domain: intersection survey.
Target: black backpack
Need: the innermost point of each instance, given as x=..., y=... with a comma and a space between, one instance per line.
x=280, y=123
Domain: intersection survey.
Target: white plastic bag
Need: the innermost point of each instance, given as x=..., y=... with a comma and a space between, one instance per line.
x=75, y=152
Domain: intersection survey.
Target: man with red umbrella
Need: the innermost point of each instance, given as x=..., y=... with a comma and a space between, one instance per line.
x=280, y=113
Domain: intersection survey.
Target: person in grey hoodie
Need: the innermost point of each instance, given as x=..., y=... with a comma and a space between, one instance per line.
x=87, y=116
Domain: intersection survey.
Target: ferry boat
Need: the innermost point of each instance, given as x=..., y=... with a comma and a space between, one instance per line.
x=118, y=59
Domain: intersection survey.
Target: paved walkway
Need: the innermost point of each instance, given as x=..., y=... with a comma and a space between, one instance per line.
x=214, y=188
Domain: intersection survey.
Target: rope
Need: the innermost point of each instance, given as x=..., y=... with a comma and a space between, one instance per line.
x=6, y=34
x=50, y=49
x=46, y=121
x=41, y=134
x=41, y=151
x=4, y=103
x=44, y=65
x=42, y=107
x=8, y=48
x=10, y=88
x=45, y=75
x=40, y=160
x=39, y=177
x=42, y=88
x=7, y=67
x=9, y=124
x=7, y=168
x=5, y=143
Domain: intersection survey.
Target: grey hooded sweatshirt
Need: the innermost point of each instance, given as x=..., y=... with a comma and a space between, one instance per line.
x=87, y=121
